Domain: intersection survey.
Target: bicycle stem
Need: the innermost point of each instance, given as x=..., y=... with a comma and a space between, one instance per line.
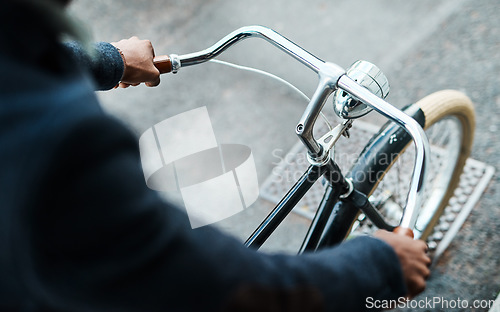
x=331, y=77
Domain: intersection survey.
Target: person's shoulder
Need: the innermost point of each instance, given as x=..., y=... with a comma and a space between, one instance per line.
x=41, y=112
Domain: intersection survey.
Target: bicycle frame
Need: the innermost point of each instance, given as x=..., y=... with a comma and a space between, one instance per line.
x=343, y=198
x=334, y=216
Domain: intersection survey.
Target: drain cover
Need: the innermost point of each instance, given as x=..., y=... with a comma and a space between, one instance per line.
x=473, y=182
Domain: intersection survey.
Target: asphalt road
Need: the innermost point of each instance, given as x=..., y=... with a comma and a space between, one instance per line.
x=421, y=46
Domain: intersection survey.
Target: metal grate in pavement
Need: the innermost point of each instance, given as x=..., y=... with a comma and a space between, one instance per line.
x=473, y=182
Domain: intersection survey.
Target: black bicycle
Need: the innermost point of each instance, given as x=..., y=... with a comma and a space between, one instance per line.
x=380, y=189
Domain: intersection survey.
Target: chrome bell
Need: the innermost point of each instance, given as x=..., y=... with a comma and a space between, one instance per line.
x=370, y=77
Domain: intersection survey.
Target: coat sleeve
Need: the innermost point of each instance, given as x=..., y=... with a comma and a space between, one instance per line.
x=105, y=242
x=101, y=60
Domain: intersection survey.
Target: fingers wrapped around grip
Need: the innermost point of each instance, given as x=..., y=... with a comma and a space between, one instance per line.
x=404, y=231
x=138, y=62
x=412, y=255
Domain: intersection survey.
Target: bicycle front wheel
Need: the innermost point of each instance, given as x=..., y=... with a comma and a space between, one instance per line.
x=384, y=169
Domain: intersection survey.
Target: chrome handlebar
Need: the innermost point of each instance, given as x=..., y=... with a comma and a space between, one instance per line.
x=411, y=126
x=242, y=33
x=331, y=77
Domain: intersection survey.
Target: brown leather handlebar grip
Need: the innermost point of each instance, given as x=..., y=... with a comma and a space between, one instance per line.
x=163, y=64
x=404, y=231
